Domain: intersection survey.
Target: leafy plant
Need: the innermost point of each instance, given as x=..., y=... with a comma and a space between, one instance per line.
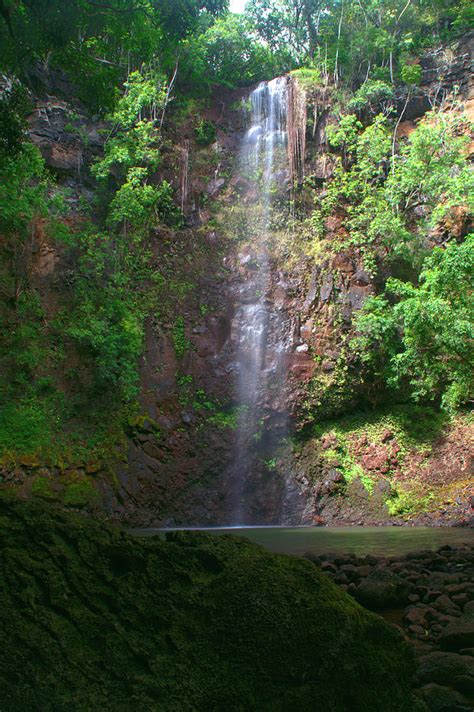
x=378, y=191
x=424, y=341
x=370, y=95
x=411, y=74
x=205, y=132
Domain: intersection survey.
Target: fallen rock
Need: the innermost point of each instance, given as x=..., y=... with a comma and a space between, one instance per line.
x=440, y=699
x=458, y=634
x=382, y=589
x=443, y=668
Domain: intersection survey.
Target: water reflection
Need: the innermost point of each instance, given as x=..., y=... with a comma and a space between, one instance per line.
x=379, y=541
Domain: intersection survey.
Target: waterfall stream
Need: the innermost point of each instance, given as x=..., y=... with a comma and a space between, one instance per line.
x=264, y=337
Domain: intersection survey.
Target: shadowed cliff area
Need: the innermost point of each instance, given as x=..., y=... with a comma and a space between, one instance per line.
x=93, y=619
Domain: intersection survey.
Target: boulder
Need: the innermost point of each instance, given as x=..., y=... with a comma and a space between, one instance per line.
x=444, y=668
x=382, y=589
x=92, y=618
x=458, y=634
x=440, y=699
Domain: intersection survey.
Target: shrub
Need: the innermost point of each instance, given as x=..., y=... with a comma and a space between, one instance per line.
x=372, y=94
x=205, y=132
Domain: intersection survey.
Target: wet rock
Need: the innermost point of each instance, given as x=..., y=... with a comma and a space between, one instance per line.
x=465, y=683
x=416, y=615
x=326, y=288
x=458, y=634
x=328, y=567
x=302, y=349
x=357, y=296
x=444, y=604
x=441, y=699
x=214, y=187
x=362, y=277
x=444, y=668
x=431, y=596
x=382, y=589
x=469, y=609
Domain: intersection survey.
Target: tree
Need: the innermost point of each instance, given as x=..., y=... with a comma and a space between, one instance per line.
x=425, y=340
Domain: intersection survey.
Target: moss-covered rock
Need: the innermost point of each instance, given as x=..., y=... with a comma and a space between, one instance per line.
x=93, y=619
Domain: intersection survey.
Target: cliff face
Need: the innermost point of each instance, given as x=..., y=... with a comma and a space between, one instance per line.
x=177, y=465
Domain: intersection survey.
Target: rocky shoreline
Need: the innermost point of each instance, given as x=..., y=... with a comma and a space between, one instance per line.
x=429, y=596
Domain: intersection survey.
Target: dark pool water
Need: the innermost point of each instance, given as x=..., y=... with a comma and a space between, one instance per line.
x=379, y=541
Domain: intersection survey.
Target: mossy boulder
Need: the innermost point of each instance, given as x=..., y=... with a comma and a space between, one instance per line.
x=94, y=619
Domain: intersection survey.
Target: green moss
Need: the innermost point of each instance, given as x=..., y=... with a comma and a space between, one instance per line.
x=413, y=428
x=94, y=619
x=205, y=132
x=307, y=77
x=144, y=424
x=411, y=425
x=226, y=418
x=25, y=426
x=409, y=499
x=41, y=487
x=80, y=493
x=181, y=343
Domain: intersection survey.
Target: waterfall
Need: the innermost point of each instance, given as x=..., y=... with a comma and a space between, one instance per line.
x=263, y=330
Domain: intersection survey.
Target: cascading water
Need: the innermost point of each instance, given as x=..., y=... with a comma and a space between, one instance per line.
x=264, y=331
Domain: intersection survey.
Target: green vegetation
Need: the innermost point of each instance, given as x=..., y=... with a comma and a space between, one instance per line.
x=307, y=77
x=109, y=612
x=373, y=94
x=381, y=446
x=424, y=341
x=181, y=343
x=351, y=42
x=205, y=132
x=379, y=191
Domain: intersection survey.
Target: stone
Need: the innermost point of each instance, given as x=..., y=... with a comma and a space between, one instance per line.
x=377, y=459
x=460, y=599
x=328, y=567
x=468, y=609
x=312, y=291
x=302, y=349
x=357, y=296
x=362, y=277
x=444, y=603
x=416, y=615
x=440, y=698
x=382, y=589
x=443, y=668
x=431, y=596
x=214, y=186
x=326, y=288
x=465, y=683
x=332, y=482
x=458, y=634
x=417, y=630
